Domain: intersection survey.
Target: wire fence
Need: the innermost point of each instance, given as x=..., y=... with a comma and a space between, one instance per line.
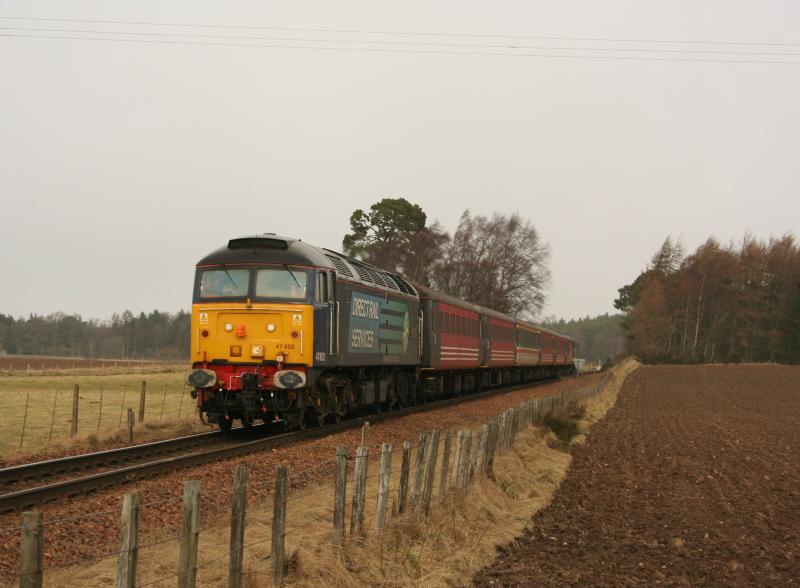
x=352, y=494
x=37, y=419
x=33, y=366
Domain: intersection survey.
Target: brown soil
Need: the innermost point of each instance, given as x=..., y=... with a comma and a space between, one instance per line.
x=692, y=479
x=82, y=529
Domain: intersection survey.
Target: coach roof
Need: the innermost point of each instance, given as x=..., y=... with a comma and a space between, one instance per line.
x=428, y=293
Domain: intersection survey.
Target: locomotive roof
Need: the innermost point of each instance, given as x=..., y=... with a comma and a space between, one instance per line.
x=266, y=248
x=269, y=248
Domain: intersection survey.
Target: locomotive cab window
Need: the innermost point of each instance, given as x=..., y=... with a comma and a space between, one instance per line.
x=281, y=283
x=224, y=283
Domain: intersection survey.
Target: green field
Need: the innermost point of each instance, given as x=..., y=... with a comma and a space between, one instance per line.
x=103, y=400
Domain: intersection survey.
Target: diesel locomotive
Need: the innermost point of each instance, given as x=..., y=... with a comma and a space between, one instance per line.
x=283, y=330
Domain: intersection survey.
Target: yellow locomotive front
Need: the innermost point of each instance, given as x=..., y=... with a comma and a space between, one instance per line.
x=252, y=331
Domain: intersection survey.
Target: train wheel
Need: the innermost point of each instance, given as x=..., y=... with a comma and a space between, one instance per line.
x=296, y=420
x=402, y=390
x=225, y=424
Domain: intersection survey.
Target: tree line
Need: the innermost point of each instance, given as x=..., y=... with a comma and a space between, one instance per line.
x=156, y=335
x=734, y=303
x=599, y=338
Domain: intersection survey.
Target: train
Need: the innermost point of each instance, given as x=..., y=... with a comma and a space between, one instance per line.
x=283, y=331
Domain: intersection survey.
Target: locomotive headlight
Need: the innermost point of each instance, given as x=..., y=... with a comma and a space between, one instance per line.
x=229, y=327
x=257, y=351
x=271, y=327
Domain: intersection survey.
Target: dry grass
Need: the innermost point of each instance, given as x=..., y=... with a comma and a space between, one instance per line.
x=458, y=539
x=104, y=400
x=596, y=407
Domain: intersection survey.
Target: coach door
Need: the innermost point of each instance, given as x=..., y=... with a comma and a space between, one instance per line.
x=485, y=343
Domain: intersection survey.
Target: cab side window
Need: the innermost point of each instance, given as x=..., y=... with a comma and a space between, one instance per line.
x=322, y=288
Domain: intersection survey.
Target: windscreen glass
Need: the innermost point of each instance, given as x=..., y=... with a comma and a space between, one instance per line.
x=224, y=283
x=281, y=283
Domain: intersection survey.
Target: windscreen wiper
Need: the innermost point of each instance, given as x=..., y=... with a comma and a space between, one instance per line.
x=235, y=285
x=292, y=274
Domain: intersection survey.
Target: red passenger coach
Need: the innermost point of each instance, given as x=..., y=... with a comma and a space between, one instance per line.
x=547, y=349
x=460, y=337
x=466, y=347
x=451, y=332
x=501, y=342
x=527, y=345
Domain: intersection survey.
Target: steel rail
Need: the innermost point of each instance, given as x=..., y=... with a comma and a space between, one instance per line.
x=52, y=467
x=70, y=487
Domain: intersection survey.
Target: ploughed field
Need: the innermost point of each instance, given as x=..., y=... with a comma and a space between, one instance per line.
x=693, y=478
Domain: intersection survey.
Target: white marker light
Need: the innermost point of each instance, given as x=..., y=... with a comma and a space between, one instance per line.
x=279, y=358
x=271, y=327
x=228, y=327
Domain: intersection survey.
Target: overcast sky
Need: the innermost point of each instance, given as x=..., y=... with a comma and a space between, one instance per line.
x=123, y=163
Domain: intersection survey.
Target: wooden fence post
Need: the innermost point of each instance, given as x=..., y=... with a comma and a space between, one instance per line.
x=238, y=510
x=445, y=463
x=514, y=424
x=465, y=463
x=457, y=459
x=500, y=438
x=279, y=525
x=419, y=469
x=190, y=531
x=128, y=556
x=402, y=493
x=30, y=559
x=365, y=435
x=130, y=425
x=430, y=472
x=340, y=493
x=507, y=432
x=24, y=419
x=142, y=395
x=359, y=494
x=73, y=430
x=383, y=486
x=480, y=449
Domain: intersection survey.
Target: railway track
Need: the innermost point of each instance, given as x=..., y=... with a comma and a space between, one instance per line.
x=177, y=453
x=15, y=476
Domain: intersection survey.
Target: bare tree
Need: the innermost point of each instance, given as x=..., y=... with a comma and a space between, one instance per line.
x=499, y=262
x=422, y=252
